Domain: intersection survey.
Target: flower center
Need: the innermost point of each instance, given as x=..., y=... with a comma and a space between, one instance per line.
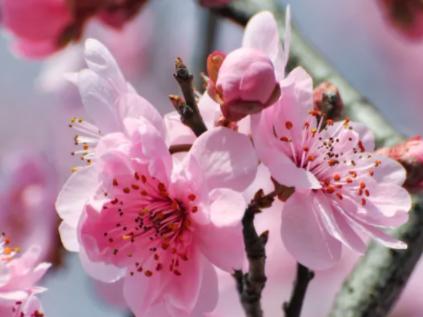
x=7, y=252
x=334, y=154
x=148, y=226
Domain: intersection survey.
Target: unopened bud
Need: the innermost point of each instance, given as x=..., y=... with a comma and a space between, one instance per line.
x=410, y=155
x=328, y=101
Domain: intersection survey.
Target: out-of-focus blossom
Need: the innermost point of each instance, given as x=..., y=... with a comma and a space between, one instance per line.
x=247, y=80
x=135, y=214
x=406, y=16
x=38, y=26
x=344, y=193
x=117, y=12
x=410, y=155
x=43, y=27
x=214, y=3
x=18, y=278
x=27, y=193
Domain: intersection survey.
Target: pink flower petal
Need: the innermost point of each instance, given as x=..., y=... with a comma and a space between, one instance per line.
x=177, y=132
x=305, y=236
x=220, y=240
x=390, y=199
x=389, y=171
x=99, y=100
x=280, y=165
x=226, y=158
x=262, y=33
x=103, y=272
x=75, y=193
x=338, y=225
x=183, y=292
x=133, y=105
x=148, y=144
x=207, y=300
x=101, y=62
x=143, y=294
x=69, y=237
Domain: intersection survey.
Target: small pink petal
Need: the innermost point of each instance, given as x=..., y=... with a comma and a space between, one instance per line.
x=305, y=236
x=75, y=193
x=221, y=238
x=226, y=158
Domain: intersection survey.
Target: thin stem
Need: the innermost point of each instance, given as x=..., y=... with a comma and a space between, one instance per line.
x=295, y=304
x=250, y=285
x=188, y=109
x=177, y=148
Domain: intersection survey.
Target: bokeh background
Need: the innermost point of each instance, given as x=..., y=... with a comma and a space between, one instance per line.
x=35, y=103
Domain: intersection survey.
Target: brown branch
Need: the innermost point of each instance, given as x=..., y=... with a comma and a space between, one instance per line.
x=380, y=276
x=177, y=148
x=250, y=285
x=188, y=109
x=302, y=280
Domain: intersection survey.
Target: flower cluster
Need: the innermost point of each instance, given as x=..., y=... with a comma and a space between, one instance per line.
x=18, y=278
x=162, y=222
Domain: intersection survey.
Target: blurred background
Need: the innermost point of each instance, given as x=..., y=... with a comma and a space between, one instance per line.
x=36, y=102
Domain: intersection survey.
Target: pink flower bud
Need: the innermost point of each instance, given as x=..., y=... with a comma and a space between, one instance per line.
x=404, y=15
x=410, y=151
x=410, y=155
x=246, y=84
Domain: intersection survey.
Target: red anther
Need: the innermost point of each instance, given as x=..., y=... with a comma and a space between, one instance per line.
x=288, y=125
x=333, y=162
x=330, y=190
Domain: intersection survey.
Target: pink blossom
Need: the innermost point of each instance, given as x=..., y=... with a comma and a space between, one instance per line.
x=247, y=80
x=18, y=278
x=410, y=151
x=137, y=214
x=343, y=192
x=37, y=25
x=214, y=3
x=27, y=193
x=406, y=16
